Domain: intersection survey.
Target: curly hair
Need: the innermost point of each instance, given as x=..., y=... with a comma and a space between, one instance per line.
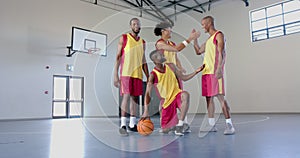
x=159, y=27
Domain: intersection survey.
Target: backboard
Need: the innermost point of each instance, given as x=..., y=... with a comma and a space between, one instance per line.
x=83, y=40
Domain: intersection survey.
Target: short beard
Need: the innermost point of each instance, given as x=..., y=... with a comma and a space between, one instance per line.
x=136, y=32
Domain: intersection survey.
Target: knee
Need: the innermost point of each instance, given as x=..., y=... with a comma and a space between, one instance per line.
x=185, y=100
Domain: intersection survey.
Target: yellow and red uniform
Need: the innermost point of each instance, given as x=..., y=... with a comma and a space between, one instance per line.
x=131, y=71
x=169, y=92
x=212, y=86
x=170, y=56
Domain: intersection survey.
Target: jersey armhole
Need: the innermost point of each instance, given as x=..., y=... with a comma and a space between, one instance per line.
x=215, y=37
x=155, y=79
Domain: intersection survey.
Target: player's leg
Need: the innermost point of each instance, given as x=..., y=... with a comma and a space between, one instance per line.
x=124, y=102
x=210, y=107
x=226, y=111
x=224, y=105
x=183, y=105
x=169, y=118
x=210, y=127
x=185, y=101
x=135, y=89
x=133, y=107
x=211, y=111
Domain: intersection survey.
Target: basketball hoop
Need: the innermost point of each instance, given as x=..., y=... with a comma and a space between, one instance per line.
x=94, y=51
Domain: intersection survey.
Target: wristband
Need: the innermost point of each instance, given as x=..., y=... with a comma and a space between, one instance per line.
x=185, y=43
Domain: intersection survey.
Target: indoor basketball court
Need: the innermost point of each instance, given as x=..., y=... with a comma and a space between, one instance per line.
x=59, y=99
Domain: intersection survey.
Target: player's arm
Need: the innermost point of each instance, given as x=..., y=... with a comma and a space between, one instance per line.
x=148, y=95
x=187, y=77
x=199, y=49
x=162, y=45
x=221, y=51
x=178, y=64
x=145, y=65
x=117, y=63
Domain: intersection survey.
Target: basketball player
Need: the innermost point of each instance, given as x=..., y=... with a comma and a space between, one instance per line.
x=131, y=59
x=212, y=75
x=164, y=78
x=170, y=49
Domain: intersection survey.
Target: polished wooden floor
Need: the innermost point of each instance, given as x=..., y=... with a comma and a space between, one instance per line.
x=257, y=136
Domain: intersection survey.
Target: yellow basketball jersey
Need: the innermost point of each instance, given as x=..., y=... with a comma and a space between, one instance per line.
x=132, y=57
x=169, y=55
x=167, y=85
x=210, y=60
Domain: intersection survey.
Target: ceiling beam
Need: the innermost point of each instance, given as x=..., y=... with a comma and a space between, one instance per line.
x=200, y=5
x=196, y=6
x=173, y=3
x=121, y=6
x=184, y=6
x=158, y=11
x=146, y=11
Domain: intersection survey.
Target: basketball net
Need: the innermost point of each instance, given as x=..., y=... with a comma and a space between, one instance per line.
x=94, y=51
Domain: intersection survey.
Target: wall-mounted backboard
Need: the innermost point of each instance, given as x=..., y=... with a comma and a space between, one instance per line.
x=84, y=40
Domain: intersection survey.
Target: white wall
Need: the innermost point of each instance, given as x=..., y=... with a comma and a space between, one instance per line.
x=261, y=76
x=35, y=34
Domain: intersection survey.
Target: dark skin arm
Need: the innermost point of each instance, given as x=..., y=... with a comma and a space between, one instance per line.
x=145, y=65
x=221, y=51
x=151, y=82
x=117, y=63
x=187, y=77
x=199, y=49
x=147, y=96
x=162, y=45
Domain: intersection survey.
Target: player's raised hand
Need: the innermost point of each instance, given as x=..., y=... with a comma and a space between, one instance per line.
x=194, y=34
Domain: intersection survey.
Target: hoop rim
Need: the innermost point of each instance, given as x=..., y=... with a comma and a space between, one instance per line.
x=93, y=50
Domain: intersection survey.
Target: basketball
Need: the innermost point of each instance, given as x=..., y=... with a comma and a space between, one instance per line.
x=145, y=127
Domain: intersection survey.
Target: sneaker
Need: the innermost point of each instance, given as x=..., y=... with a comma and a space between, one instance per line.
x=133, y=129
x=179, y=130
x=186, y=128
x=166, y=130
x=229, y=130
x=123, y=131
x=208, y=128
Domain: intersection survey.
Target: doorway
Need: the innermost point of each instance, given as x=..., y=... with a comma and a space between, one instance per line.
x=68, y=96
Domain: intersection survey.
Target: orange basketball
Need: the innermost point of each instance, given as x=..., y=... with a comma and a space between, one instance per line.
x=145, y=127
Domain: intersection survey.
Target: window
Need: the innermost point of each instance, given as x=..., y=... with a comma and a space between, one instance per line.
x=275, y=20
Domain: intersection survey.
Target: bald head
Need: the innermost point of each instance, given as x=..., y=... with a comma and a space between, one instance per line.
x=157, y=57
x=208, y=24
x=209, y=20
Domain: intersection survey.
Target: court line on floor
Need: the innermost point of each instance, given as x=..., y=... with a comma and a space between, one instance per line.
x=107, y=130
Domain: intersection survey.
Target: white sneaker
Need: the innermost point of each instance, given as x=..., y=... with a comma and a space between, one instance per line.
x=123, y=131
x=166, y=131
x=179, y=131
x=186, y=128
x=229, y=130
